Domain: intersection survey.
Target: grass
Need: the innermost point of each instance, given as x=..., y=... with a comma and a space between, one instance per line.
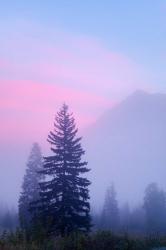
x=101, y=240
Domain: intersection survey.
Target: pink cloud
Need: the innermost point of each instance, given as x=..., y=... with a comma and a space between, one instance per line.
x=75, y=61
x=14, y=93
x=41, y=72
x=27, y=108
x=4, y=64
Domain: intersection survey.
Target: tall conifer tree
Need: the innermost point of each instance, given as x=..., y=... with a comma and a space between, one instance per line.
x=30, y=186
x=64, y=205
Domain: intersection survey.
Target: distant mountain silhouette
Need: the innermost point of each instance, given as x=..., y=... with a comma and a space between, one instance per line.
x=127, y=146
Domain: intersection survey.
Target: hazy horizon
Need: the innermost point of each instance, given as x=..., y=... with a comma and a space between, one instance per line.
x=91, y=142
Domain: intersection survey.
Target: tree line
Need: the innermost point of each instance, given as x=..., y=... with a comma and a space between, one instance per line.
x=147, y=218
x=55, y=193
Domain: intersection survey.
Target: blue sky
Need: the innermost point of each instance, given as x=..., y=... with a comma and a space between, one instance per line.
x=103, y=48
x=135, y=28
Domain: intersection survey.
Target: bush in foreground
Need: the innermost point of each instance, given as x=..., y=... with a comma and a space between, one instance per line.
x=104, y=240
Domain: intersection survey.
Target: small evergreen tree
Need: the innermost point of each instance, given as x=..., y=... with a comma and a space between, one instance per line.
x=64, y=205
x=137, y=220
x=155, y=209
x=7, y=221
x=110, y=213
x=125, y=214
x=30, y=186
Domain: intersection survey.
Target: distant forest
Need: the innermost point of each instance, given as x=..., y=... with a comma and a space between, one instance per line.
x=148, y=218
x=55, y=200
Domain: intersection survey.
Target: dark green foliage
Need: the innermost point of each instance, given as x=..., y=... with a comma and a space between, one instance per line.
x=30, y=186
x=104, y=240
x=64, y=195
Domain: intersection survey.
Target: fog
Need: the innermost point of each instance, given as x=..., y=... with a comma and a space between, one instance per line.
x=83, y=125
x=125, y=146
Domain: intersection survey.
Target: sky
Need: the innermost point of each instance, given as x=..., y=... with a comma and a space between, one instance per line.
x=90, y=54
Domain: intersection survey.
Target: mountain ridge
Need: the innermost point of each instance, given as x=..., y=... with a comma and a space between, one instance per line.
x=127, y=146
